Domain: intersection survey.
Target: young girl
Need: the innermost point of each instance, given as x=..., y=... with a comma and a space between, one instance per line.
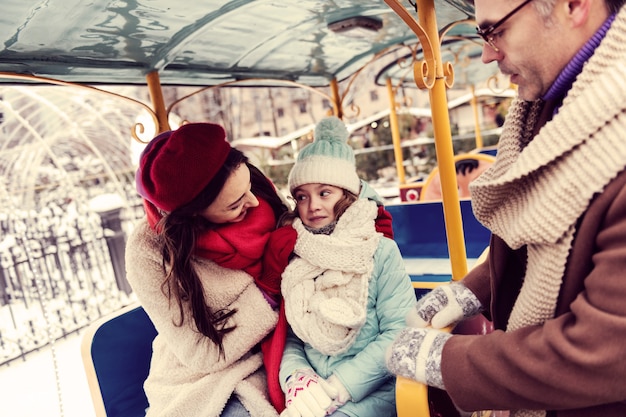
x=346, y=292
x=195, y=265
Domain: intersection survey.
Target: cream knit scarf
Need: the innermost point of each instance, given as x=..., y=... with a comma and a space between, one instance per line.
x=534, y=195
x=325, y=287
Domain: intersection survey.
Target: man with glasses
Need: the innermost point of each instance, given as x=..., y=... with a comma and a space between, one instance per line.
x=554, y=282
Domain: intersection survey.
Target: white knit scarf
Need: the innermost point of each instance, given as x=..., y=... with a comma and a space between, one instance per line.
x=534, y=195
x=325, y=287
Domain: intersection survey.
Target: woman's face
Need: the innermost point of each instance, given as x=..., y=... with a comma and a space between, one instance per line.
x=233, y=202
x=316, y=204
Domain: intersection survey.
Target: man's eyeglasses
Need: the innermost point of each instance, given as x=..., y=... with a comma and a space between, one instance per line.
x=486, y=34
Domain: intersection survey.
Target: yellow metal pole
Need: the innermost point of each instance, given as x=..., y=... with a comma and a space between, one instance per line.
x=449, y=187
x=395, y=134
x=443, y=146
x=474, y=102
x=158, y=103
x=412, y=397
x=337, y=107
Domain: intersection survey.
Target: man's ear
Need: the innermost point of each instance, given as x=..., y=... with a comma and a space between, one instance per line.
x=578, y=11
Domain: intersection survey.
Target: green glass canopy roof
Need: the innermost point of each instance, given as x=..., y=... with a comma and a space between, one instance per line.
x=205, y=42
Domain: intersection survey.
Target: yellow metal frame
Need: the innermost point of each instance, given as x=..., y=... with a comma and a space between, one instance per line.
x=395, y=133
x=137, y=128
x=336, y=96
x=160, y=112
x=435, y=76
x=411, y=398
x=474, y=103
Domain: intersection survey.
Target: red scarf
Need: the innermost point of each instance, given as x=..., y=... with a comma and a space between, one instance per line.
x=233, y=245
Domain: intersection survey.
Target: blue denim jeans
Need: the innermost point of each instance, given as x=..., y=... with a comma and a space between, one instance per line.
x=234, y=408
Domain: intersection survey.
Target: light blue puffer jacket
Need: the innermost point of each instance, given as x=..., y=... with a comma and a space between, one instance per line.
x=361, y=369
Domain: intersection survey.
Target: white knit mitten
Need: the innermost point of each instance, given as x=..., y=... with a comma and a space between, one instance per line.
x=343, y=396
x=308, y=394
x=443, y=306
x=416, y=354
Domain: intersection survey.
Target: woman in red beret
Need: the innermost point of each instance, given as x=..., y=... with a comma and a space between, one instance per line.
x=195, y=265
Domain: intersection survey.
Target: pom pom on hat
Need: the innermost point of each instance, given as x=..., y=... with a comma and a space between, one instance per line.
x=328, y=160
x=177, y=165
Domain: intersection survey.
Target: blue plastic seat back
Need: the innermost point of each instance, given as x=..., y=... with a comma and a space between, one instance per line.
x=419, y=229
x=420, y=232
x=121, y=350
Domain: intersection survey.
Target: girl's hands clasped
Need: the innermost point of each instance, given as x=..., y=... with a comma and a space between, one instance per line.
x=308, y=395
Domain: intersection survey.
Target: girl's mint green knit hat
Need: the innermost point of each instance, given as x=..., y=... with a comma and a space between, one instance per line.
x=328, y=160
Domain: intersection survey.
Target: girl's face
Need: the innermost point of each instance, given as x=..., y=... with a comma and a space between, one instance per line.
x=233, y=202
x=316, y=204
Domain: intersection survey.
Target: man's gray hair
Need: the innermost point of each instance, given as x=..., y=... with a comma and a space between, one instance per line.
x=544, y=7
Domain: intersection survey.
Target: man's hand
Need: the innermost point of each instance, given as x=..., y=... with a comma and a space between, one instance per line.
x=443, y=306
x=416, y=354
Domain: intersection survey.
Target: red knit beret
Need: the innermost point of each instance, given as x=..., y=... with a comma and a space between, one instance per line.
x=175, y=166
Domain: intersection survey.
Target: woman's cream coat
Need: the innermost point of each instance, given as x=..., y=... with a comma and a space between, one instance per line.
x=188, y=378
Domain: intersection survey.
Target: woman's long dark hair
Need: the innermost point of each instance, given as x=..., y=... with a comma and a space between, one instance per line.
x=180, y=231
